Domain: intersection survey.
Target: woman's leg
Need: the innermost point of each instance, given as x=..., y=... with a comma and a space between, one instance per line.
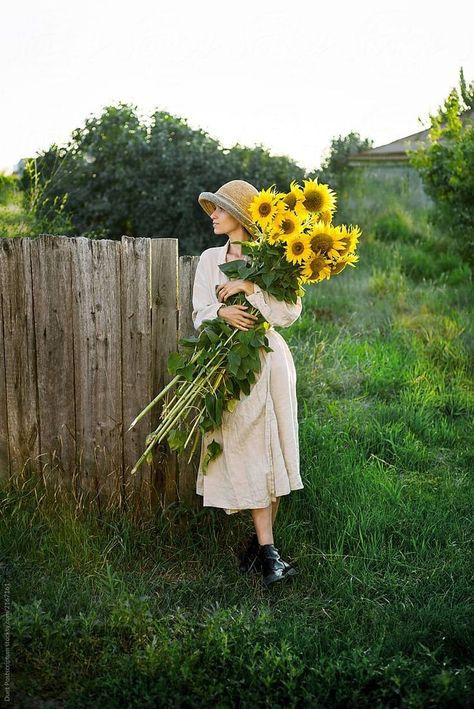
x=262, y=519
x=275, y=509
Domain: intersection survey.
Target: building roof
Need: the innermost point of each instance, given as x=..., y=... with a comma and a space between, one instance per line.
x=396, y=151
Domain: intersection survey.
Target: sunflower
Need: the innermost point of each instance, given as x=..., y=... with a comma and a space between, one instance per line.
x=281, y=208
x=340, y=265
x=326, y=217
x=318, y=198
x=349, y=238
x=316, y=268
x=262, y=209
x=325, y=239
x=274, y=235
x=288, y=223
x=298, y=248
x=295, y=197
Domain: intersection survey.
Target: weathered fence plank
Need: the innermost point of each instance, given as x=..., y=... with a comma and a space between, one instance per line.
x=137, y=368
x=4, y=449
x=51, y=284
x=164, y=338
x=20, y=355
x=96, y=324
x=187, y=471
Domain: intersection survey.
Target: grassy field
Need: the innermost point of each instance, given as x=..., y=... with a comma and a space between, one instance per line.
x=110, y=613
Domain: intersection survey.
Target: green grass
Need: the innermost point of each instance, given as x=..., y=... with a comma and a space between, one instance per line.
x=14, y=220
x=110, y=612
x=17, y=219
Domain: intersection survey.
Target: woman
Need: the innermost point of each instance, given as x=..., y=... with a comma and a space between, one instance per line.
x=260, y=458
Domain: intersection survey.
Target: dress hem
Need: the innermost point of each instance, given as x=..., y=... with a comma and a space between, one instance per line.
x=230, y=510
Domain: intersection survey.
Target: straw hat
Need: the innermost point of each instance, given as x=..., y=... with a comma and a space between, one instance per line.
x=235, y=197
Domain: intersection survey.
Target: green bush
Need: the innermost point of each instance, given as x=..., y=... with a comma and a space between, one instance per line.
x=8, y=185
x=419, y=263
x=445, y=166
x=394, y=225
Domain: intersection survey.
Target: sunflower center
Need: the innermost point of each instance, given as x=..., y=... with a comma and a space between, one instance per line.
x=297, y=248
x=321, y=242
x=314, y=201
x=265, y=209
x=288, y=226
x=317, y=264
x=290, y=200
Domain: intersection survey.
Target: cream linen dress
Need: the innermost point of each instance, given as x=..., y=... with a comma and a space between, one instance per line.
x=260, y=457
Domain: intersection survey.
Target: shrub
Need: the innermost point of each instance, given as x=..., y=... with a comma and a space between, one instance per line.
x=445, y=166
x=394, y=225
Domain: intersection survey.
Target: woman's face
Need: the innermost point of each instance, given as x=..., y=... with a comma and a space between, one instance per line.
x=223, y=222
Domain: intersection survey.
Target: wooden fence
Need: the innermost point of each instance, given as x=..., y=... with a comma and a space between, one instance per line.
x=86, y=327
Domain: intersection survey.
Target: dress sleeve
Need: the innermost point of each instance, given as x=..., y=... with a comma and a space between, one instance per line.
x=205, y=303
x=276, y=312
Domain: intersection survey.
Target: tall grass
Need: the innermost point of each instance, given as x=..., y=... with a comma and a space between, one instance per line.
x=18, y=214
x=110, y=612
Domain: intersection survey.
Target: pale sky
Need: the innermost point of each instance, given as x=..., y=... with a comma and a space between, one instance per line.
x=288, y=75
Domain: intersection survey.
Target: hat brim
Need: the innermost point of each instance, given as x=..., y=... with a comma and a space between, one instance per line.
x=209, y=201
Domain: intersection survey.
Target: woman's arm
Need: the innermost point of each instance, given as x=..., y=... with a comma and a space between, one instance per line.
x=205, y=303
x=276, y=312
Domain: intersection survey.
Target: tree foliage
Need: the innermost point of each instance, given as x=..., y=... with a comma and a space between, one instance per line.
x=446, y=165
x=117, y=175
x=334, y=168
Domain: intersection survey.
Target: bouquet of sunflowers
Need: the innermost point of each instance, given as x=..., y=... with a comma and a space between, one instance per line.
x=294, y=243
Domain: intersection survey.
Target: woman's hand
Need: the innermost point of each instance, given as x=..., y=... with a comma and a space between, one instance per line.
x=231, y=287
x=235, y=315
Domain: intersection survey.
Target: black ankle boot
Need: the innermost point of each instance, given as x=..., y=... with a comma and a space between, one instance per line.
x=274, y=568
x=250, y=561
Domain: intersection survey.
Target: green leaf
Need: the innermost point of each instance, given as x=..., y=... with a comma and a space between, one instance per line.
x=175, y=361
x=226, y=329
x=214, y=337
x=219, y=409
x=210, y=404
x=231, y=404
x=233, y=359
x=189, y=341
x=187, y=372
x=268, y=278
x=149, y=457
x=176, y=439
x=214, y=449
x=245, y=385
x=231, y=269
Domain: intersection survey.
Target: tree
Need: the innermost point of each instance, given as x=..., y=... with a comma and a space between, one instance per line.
x=119, y=176
x=334, y=168
x=445, y=166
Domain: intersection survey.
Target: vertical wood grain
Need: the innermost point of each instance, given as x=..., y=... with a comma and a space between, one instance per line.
x=20, y=356
x=4, y=447
x=96, y=323
x=187, y=471
x=164, y=337
x=51, y=287
x=137, y=369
